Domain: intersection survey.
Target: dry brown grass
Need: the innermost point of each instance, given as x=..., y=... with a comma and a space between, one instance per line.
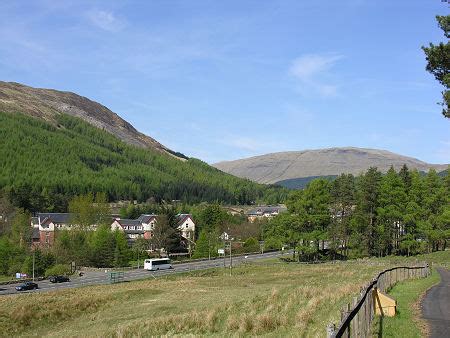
x=266, y=298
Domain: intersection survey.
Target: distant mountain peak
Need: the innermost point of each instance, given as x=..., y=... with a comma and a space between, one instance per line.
x=282, y=166
x=46, y=103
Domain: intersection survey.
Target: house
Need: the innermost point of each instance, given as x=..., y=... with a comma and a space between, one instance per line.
x=148, y=222
x=144, y=226
x=186, y=226
x=44, y=226
x=265, y=212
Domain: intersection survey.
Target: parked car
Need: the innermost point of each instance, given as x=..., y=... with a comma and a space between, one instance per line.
x=26, y=286
x=59, y=279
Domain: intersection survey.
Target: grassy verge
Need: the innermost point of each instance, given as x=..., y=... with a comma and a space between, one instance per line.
x=407, y=322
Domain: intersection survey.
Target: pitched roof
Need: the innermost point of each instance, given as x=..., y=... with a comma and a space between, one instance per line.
x=128, y=222
x=181, y=218
x=145, y=218
x=261, y=210
x=56, y=217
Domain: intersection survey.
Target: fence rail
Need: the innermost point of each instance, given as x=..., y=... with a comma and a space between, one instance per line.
x=356, y=320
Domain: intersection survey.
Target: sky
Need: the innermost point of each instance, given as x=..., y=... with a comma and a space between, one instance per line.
x=222, y=80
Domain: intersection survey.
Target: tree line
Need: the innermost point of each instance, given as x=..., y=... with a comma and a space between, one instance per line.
x=399, y=213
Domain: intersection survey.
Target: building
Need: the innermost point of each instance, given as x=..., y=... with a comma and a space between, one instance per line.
x=144, y=226
x=265, y=212
x=44, y=226
x=186, y=225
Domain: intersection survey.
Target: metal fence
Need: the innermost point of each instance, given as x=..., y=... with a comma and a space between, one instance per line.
x=356, y=320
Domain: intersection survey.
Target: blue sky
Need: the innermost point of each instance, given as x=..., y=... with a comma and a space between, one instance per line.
x=222, y=80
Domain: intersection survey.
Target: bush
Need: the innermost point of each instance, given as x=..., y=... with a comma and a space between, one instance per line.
x=58, y=269
x=251, y=245
x=273, y=243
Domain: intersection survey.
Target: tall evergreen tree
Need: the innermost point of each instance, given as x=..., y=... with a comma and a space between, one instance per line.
x=343, y=200
x=392, y=205
x=367, y=204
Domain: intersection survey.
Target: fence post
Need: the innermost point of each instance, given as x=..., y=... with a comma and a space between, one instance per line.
x=349, y=328
x=331, y=328
x=355, y=331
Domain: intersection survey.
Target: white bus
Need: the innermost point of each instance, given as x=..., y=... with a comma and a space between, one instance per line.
x=157, y=264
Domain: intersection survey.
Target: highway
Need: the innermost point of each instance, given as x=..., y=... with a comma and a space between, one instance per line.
x=102, y=277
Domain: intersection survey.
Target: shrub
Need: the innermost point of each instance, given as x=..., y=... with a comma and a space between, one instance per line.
x=58, y=269
x=273, y=243
x=251, y=245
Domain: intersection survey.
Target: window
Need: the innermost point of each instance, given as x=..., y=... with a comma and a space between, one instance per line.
x=132, y=227
x=139, y=227
x=161, y=262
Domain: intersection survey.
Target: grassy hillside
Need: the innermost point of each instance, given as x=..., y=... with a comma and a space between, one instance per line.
x=41, y=161
x=270, y=298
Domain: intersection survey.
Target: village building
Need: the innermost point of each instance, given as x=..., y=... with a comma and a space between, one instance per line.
x=144, y=225
x=264, y=212
x=44, y=226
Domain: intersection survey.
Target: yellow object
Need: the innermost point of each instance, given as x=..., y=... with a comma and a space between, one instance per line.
x=384, y=305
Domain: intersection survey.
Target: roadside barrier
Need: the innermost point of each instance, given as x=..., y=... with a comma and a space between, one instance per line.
x=356, y=320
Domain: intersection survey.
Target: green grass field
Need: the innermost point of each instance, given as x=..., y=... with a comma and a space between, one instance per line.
x=263, y=298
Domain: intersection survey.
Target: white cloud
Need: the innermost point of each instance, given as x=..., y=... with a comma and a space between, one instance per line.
x=310, y=70
x=106, y=20
x=310, y=65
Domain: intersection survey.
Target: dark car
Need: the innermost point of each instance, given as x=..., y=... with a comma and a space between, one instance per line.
x=59, y=279
x=26, y=286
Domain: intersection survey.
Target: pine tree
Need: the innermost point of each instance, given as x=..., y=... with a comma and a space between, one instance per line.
x=366, y=216
x=342, y=202
x=392, y=205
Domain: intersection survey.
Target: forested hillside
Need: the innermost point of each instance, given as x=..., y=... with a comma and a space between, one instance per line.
x=43, y=165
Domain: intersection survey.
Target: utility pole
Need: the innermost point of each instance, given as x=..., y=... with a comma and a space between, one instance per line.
x=224, y=254
x=209, y=246
x=33, y=264
x=231, y=260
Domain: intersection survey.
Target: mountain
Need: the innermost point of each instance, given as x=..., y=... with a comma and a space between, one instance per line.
x=55, y=145
x=296, y=168
x=48, y=103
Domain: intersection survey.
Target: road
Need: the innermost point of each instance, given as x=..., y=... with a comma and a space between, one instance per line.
x=436, y=306
x=102, y=277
